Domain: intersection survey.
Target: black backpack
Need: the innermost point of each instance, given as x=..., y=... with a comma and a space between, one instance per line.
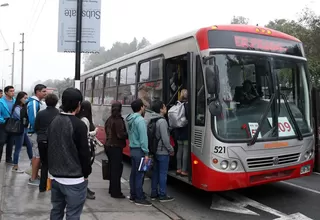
x=152, y=139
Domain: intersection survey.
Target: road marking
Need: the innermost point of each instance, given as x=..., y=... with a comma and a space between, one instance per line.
x=296, y=216
x=236, y=203
x=301, y=187
x=222, y=204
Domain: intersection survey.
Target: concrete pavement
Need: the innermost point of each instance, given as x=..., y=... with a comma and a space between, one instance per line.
x=20, y=201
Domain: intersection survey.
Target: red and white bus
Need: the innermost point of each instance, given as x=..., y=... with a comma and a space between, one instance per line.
x=250, y=119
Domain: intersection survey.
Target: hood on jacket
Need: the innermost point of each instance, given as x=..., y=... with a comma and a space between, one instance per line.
x=130, y=120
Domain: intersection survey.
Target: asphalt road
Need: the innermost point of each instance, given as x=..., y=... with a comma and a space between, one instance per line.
x=295, y=199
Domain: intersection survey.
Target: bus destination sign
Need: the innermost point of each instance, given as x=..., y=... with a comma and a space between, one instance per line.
x=260, y=44
x=249, y=41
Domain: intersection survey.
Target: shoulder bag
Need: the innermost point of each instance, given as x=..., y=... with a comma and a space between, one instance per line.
x=13, y=126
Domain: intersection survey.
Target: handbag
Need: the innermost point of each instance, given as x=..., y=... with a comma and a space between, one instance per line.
x=13, y=126
x=106, y=170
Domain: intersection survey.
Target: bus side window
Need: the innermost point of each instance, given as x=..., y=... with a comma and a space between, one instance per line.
x=98, y=89
x=150, y=81
x=127, y=87
x=110, y=87
x=200, y=111
x=88, y=90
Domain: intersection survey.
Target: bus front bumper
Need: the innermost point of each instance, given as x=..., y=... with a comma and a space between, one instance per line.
x=208, y=179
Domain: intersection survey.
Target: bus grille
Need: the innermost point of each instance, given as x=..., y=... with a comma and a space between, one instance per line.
x=272, y=161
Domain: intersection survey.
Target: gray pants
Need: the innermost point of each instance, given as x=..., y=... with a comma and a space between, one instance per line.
x=182, y=156
x=71, y=197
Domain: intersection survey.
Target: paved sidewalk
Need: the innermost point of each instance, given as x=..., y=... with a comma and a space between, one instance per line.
x=20, y=201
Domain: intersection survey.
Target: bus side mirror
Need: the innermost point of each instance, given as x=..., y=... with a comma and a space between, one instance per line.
x=212, y=81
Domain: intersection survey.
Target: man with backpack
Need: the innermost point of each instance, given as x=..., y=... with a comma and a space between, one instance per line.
x=137, y=132
x=34, y=105
x=162, y=151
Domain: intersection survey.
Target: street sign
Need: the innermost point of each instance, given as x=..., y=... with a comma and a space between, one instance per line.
x=91, y=18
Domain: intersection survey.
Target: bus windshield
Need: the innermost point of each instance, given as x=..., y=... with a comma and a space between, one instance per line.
x=247, y=84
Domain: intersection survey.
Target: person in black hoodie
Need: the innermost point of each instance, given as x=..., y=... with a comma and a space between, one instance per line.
x=41, y=125
x=68, y=158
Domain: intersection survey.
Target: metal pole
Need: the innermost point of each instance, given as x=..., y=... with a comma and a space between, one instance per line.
x=12, y=65
x=22, y=60
x=78, y=45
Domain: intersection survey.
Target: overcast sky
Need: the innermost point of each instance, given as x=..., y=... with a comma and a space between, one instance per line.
x=121, y=20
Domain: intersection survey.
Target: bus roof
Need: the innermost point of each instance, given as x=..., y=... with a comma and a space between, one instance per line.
x=200, y=35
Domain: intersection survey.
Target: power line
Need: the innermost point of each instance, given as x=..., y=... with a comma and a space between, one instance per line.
x=29, y=15
x=35, y=24
x=35, y=11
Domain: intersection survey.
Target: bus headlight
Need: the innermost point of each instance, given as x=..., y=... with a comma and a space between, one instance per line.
x=233, y=165
x=224, y=164
x=308, y=155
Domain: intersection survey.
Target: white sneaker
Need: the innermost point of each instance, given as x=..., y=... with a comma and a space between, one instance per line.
x=17, y=170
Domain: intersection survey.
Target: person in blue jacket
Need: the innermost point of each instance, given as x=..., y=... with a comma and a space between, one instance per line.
x=35, y=104
x=6, y=104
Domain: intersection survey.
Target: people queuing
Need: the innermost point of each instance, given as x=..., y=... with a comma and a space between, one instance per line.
x=59, y=142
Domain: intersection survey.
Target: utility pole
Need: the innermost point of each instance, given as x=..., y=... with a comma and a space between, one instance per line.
x=12, y=65
x=78, y=44
x=22, y=59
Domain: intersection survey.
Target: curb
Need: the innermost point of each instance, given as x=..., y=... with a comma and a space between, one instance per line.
x=2, y=184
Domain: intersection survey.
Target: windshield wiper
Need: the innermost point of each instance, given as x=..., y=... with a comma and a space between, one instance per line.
x=264, y=116
x=295, y=124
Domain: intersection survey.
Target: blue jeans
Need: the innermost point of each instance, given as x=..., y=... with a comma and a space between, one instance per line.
x=69, y=197
x=136, y=177
x=19, y=140
x=159, y=176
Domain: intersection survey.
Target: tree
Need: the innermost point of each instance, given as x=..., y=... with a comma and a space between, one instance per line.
x=306, y=29
x=239, y=20
x=117, y=50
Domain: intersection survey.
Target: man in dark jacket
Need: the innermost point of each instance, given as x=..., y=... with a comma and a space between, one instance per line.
x=68, y=158
x=41, y=125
